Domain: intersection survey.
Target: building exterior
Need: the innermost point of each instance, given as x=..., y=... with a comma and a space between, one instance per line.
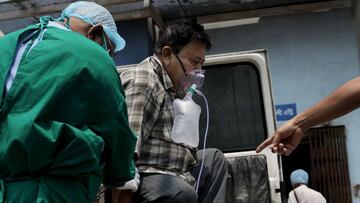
x=309, y=55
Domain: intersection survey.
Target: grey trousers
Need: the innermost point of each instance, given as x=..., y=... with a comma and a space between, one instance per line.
x=159, y=188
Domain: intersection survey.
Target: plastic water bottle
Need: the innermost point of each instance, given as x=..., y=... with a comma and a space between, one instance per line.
x=186, y=124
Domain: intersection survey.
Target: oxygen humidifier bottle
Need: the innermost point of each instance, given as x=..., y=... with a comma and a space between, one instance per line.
x=186, y=123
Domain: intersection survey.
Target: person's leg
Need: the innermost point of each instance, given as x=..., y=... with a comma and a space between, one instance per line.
x=159, y=188
x=212, y=185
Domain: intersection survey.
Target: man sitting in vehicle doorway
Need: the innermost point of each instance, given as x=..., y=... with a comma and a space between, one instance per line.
x=169, y=170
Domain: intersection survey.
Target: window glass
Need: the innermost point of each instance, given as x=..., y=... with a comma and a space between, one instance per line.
x=237, y=118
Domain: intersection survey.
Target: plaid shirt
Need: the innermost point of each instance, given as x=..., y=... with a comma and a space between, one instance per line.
x=149, y=98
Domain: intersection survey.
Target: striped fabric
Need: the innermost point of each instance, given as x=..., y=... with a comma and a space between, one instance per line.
x=149, y=98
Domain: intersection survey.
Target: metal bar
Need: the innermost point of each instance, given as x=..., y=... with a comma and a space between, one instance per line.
x=319, y=183
x=325, y=163
x=157, y=18
x=342, y=166
x=132, y=15
x=318, y=165
x=330, y=161
x=329, y=136
x=335, y=161
x=44, y=10
x=329, y=166
x=155, y=14
x=274, y=11
x=324, y=137
x=341, y=161
x=312, y=160
x=346, y=171
x=4, y=1
x=319, y=172
x=323, y=166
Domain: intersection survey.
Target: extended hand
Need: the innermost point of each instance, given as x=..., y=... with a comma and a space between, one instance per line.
x=284, y=140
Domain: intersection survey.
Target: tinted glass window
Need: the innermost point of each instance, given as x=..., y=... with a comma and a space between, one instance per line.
x=237, y=118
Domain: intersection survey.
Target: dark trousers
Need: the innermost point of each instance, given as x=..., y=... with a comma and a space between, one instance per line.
x=159, y=188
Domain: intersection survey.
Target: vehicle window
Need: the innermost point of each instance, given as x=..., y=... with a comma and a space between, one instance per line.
x=237, y=117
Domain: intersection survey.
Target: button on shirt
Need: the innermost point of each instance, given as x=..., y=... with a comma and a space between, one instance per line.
x=149, y=98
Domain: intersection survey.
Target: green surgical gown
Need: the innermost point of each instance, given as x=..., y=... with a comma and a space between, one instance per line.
x=63, y=124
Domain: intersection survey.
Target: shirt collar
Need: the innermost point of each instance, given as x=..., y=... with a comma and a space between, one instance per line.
x=165, y=78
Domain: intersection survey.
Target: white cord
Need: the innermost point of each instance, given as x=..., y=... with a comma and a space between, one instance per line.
x=205, y=138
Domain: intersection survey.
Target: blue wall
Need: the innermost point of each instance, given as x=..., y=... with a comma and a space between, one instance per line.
x=139, y=44
x=309, y=56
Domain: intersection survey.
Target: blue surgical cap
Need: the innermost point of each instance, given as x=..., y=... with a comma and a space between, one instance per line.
x=299, y=177
x=93, y=14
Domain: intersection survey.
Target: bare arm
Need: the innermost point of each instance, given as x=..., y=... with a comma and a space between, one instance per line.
x=342, y=101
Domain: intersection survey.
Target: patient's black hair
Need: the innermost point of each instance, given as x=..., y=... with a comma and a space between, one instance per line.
x=178, y=35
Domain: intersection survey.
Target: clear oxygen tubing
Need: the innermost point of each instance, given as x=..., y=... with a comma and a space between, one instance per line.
x=205, y=138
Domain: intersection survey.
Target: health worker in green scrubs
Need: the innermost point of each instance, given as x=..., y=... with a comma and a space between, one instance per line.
x=63, y=120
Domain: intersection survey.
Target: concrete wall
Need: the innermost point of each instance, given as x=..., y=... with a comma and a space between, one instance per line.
x=309, y=56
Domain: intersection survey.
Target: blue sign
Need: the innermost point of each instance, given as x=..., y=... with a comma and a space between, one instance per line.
x=285, y=112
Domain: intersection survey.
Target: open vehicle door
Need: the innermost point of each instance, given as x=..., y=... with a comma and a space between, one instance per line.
x=238, y=89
